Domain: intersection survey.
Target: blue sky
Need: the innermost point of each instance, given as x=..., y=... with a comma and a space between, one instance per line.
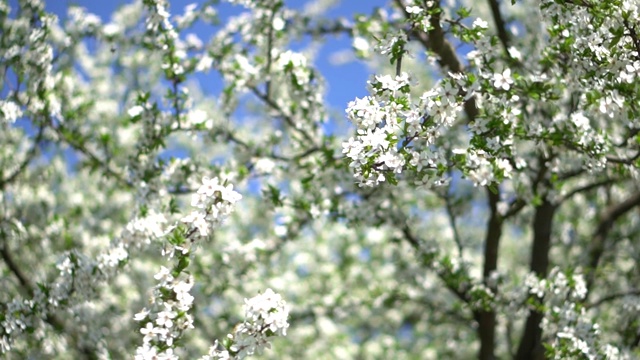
x=345, y=81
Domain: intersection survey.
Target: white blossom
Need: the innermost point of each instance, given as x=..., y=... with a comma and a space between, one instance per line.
x=503, y=81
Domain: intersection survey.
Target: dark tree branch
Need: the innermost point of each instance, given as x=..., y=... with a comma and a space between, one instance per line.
x=493, y=234
x=27, y=287
x=80, y=146
x=241, y=143
x=500, y=25
x=487, y=319
x=531, y=342
x=588, y=187
x=337, y=27
x=415, y=243
x=514, y=208
x=634, y=36
x=625, y=161
x=30, y=155
x=274, y=106
x=7, y=257
x=611, y=297
x=599, y=237
x=453, y=223
x=435, y=41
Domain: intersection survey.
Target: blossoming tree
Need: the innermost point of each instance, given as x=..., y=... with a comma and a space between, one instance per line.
x=483, y=204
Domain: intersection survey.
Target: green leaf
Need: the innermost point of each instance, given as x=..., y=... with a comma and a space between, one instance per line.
x=173, y=206
x=536, y=201
x=463, y=12
x=182, y=264
x=391, y=178
x=273, y=193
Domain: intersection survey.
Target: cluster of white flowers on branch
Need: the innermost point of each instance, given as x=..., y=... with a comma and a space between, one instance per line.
x=213, y=202
x=571, y=331
x=396, y=133
x=265, y=317
x=393, y=132
x=166, y=319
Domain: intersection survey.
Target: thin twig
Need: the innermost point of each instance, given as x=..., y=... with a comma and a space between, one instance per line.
x=452, y=223
x=273, y=105
x=30, y=155
x=500, y=25
x=615, y=296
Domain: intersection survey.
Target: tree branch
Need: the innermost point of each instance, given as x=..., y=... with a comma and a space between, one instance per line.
x=500, y=25
x=634, y=292
x=30, y=155
x=531, y=342
x=436, y=41
x=23, y=279
x=588, y=187
x=599, y=237
x=27, y=287
x=487, y=319
x=415, y=243
x=80, y=146
x=273, y=105
x=453, y=224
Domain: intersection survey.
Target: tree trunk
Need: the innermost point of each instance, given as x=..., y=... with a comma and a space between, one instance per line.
x=487, y=319
x=531, y=343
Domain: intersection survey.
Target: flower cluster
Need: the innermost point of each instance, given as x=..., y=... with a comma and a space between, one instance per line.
x=265, y=317
x=213, y=202
x=9, y=111
x=571, y=331
x=392, y=131
x=164, y=36
x=266, y=314
x=296, y=64
x=167, y=318
x=378, y=119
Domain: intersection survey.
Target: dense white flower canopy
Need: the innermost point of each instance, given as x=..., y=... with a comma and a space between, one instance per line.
x=477, y=199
